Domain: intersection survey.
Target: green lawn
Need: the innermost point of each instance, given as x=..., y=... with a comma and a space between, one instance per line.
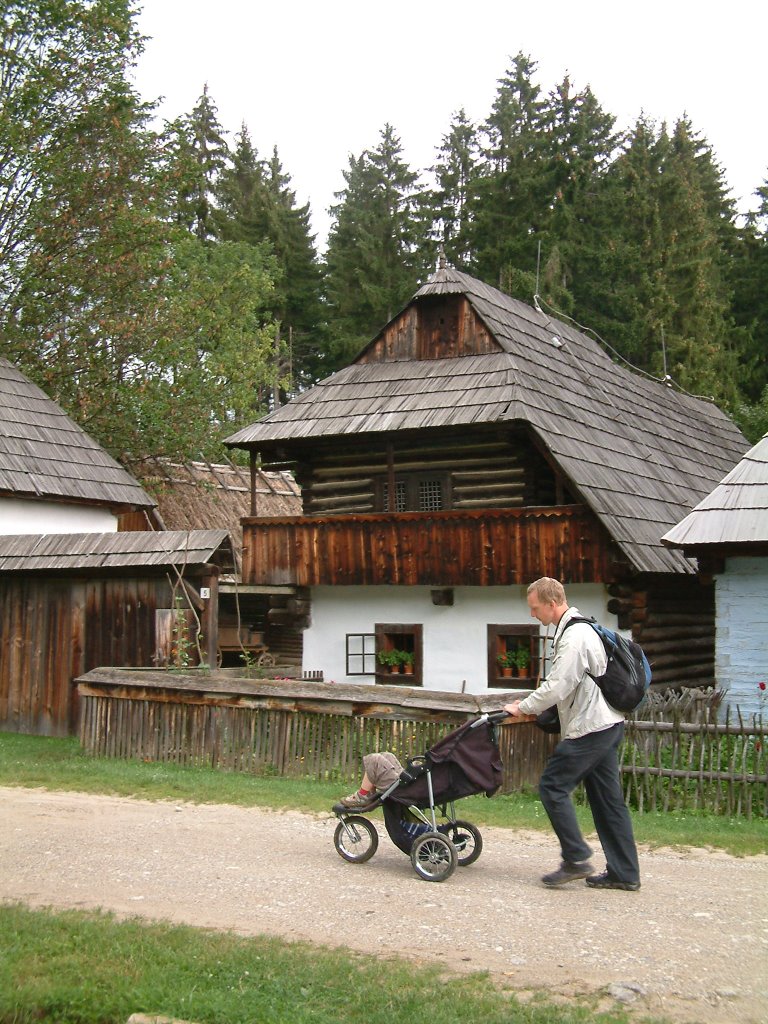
x=78, y=968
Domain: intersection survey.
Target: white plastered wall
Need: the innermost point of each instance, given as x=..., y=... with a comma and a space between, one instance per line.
x=19, y=516
x=455, y=638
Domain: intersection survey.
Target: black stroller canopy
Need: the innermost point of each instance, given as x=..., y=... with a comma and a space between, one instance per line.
x=463, y=763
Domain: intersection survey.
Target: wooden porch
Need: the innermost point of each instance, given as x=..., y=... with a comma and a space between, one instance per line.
x=499, y=547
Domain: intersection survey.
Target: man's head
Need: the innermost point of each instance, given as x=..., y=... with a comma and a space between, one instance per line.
x=546, y=599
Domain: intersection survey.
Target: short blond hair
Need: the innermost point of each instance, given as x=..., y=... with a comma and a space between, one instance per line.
x=548, y=590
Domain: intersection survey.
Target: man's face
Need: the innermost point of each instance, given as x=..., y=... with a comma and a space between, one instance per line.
x=544, y=611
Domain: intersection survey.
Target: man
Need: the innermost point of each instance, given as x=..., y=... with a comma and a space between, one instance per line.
x=591, y=733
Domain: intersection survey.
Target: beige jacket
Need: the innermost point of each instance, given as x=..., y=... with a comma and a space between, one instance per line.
x=580, y=704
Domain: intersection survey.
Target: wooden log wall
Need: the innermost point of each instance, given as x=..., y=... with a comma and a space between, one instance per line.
x=674, y=623
x=482, y=472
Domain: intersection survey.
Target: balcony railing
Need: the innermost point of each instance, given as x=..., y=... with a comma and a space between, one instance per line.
x=440, y=549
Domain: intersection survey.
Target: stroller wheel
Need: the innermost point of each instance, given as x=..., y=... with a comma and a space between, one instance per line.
x=356, y=839
x=467, y=840
x=433, y=857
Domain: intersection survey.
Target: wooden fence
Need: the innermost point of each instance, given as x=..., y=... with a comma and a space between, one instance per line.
x=296, y=728
x=309, y=729
x=705, y=765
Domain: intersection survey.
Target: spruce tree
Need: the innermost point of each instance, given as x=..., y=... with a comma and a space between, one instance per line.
x=258, y=206
x=749, y=280
x=375, y=254
x=210, y=154
x=510, y=205
x=455, y=171
x=582, y=143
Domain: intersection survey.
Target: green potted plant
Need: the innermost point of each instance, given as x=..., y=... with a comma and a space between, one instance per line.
x=390, y=659
x=522, y=659
x=406, y=660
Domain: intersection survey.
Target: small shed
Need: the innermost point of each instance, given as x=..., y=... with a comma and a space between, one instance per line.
x=728, y=533
x=71, y=602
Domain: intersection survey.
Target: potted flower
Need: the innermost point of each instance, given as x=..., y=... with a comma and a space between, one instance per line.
x=506, y=661
x=522, y=659
x=406, y=660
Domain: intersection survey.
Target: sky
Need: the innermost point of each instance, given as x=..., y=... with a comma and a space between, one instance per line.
x=321, y=79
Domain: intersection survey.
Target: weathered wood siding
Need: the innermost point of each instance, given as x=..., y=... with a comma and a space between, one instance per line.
x=483, y=548
x=437, y=328
x=52, y=629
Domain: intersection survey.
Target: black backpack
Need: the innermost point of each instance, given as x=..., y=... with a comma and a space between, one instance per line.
x=627, y=676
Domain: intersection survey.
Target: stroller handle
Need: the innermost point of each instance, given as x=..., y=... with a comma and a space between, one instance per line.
x=490, y=716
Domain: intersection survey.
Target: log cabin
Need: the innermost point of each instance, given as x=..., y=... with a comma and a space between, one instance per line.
x=476, y=444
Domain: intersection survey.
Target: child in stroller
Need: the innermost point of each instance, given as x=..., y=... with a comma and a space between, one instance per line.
x=463, y=763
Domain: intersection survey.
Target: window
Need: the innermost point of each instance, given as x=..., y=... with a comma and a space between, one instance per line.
x=515, y=656
x=417, y=492
x=400, y=499
x=399, y=657
x=361, y=654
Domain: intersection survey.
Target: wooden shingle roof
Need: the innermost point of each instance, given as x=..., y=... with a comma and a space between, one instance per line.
x=735, y=512
x=45, y=454
x=639, y=453
x=134, y=550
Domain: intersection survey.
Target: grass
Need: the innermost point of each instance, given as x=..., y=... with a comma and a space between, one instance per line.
x=85, y=968
x=60, y=764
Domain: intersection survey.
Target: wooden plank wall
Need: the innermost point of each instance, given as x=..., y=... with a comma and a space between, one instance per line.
x=440, y=549
x=436, y=328
x=52, y=629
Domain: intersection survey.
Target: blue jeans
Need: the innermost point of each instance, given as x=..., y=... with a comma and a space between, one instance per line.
x=593, y=760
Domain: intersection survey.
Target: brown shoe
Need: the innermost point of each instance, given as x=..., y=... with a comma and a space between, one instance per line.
x=567, y=873
x=355, y=801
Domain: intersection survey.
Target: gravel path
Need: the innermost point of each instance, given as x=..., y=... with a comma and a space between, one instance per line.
x=691, y=945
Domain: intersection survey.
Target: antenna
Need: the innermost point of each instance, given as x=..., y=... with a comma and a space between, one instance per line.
x=538, y=264
x=664, y=351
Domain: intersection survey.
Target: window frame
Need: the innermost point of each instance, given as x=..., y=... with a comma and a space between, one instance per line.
x=406, y=636
x=364, y=654
x=411, y=481
x=498, y=636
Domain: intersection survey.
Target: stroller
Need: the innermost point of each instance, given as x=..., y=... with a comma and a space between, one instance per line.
x=463, y=763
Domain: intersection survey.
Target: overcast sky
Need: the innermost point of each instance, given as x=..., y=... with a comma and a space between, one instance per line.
x=320, y=79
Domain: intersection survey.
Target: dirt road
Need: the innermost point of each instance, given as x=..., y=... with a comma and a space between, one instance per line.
x=692, y=945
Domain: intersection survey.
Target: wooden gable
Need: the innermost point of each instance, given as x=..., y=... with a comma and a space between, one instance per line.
x=440, y=327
